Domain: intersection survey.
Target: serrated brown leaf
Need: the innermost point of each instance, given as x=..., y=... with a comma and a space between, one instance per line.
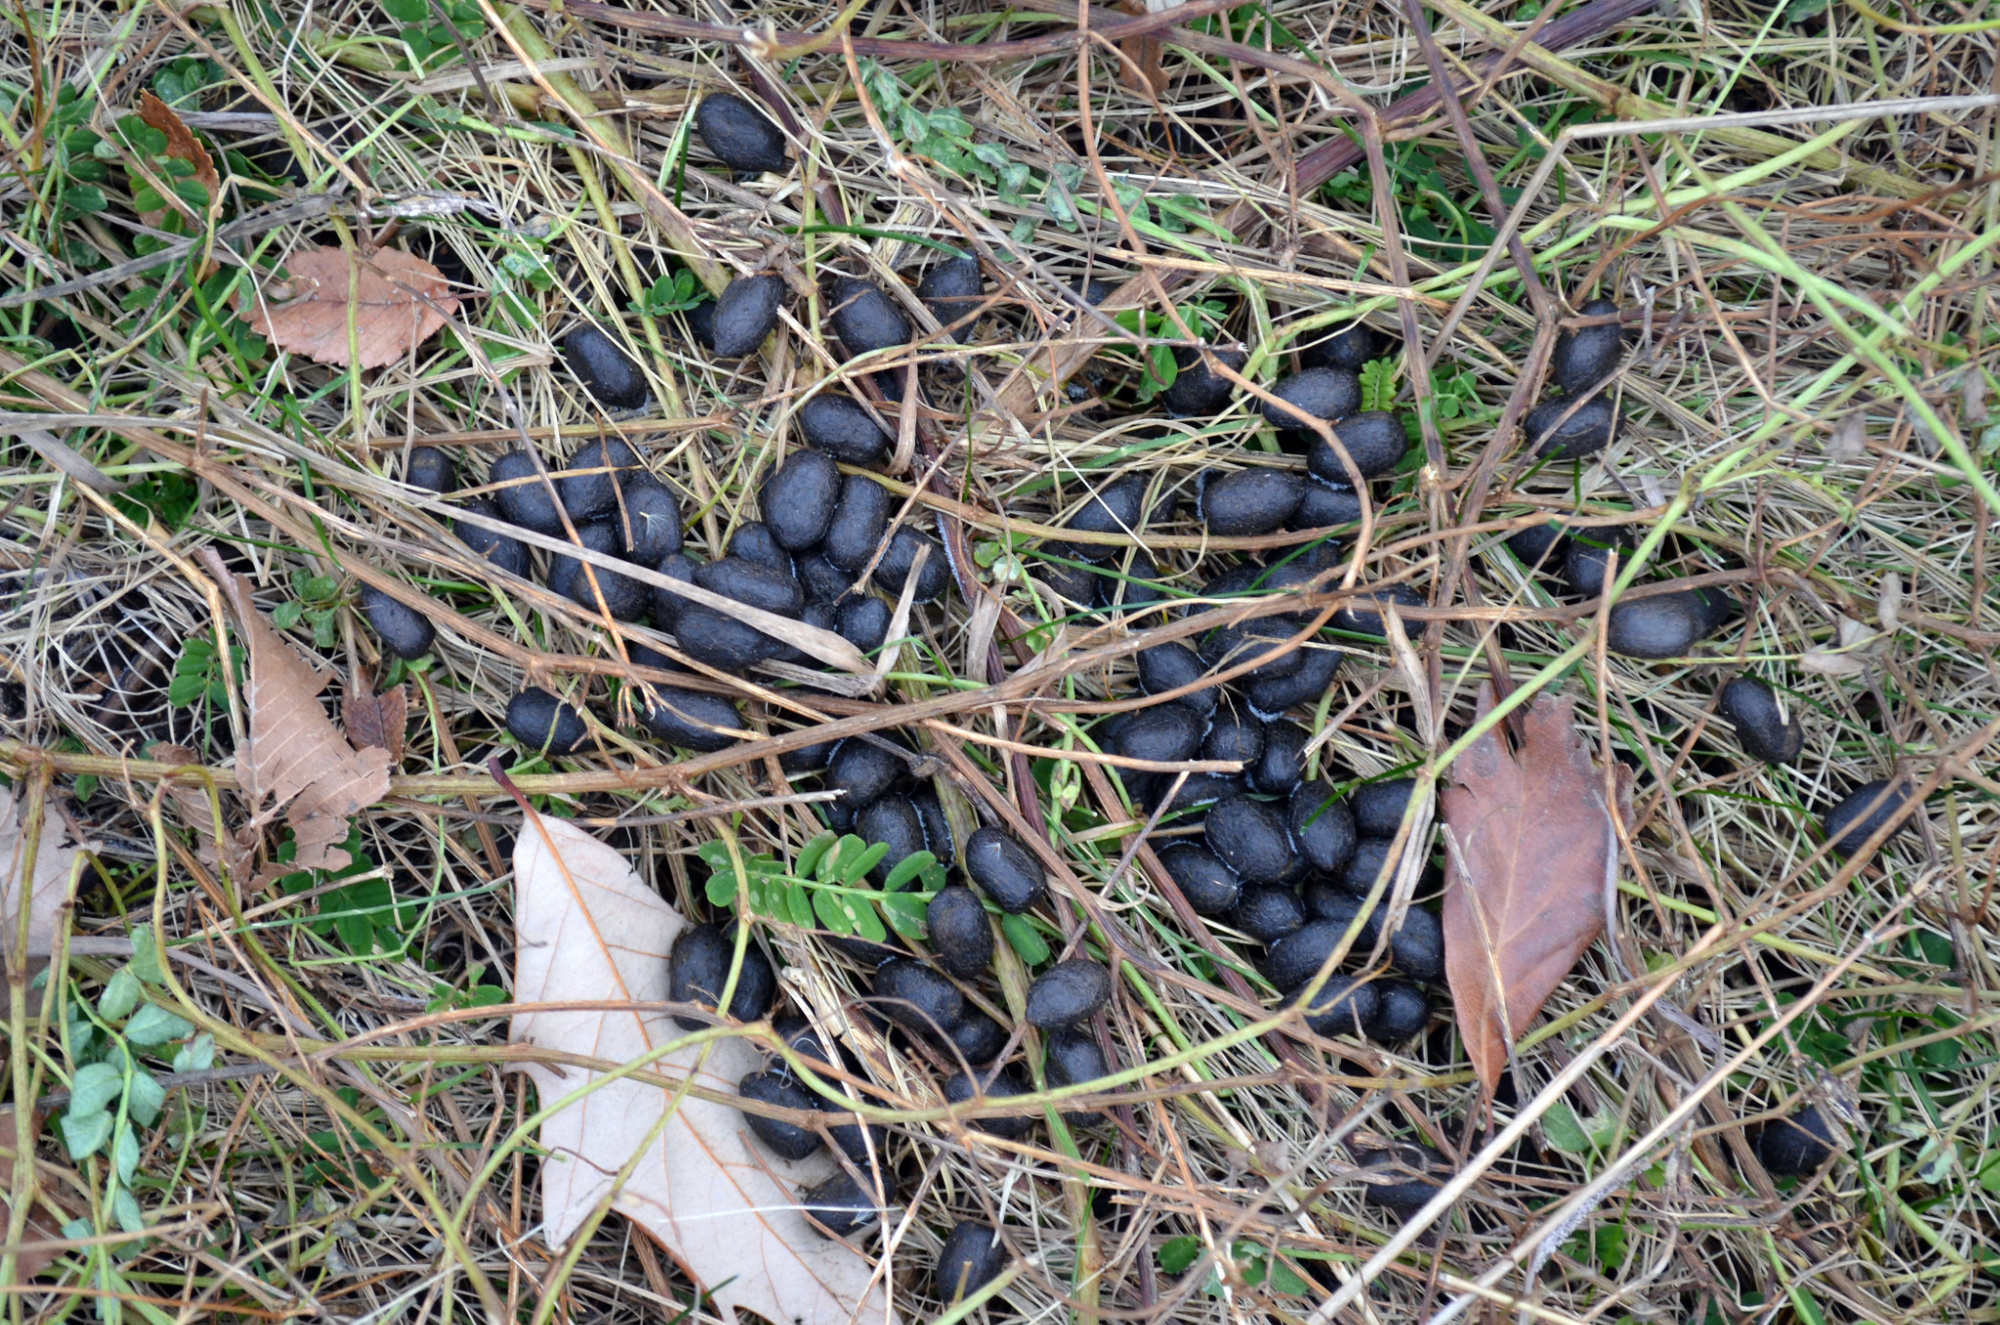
x=295, y=755
x=377, y=720
x=590, y=931
x=398, y=301
x=1524, y=890
x=184, y=146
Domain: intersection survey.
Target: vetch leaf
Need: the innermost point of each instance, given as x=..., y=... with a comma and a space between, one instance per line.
x=906, y=915
x=83, y=1136
x=153, y=1024
x=1176, y=1254
x=589, y=929
x=851, y=870
x=908, y=868
x=144, y=1096
x=125, y=1151
x=1022, y=938
x=120, y=996
x=93, y=1088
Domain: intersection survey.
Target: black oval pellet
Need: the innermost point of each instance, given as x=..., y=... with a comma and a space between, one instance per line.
x=863, y=770
x=701, y=324
x=959, y=934
x=754, y=542
x=405, y=632
x=972, y=1255
x=1117, y=507
x=891, y=820
x=1326, y=900
x=1761, y=723
x=1325, y=394
x=1006, y=870
x=1540, y=547
x=1660, y=627
x=901, y=558
x=996, y=1085
x=1249, y=501
x=648, y=521
x=839, y=1206
x=691, y=719
x=605, y=370
x=666, y=605
x=1324, y=506
x=860, y=518
x=1234, y=735
x=937, y=826
x=1165, y=733
x=1402, y=1194
x=1712, y=608
x=1252, y=837
x=951, y=291
x=807, y=758
x=1348, y=348
x=1587, y=557
x=916, y=996
x=844, y=430
x=721, y=640
x=502, y=550
x=432, y=469
x=592, y=476
x=1585, y=356
x=525, y=500
x=1196, y=791
x=977, y=1039
x=1343, y=1006
x=1131, y=585
x=1093, y=291
x=540, y=721
x=1208, y=883
x=698, y=969
x=753, y=585
x=1583, y=433
x=597, y=588
x=1197, y=389
x=1322, y=825
x=800, y=1037
x=1284, y=760
x=1359, y=619
x=1267, y=914
x=1370, y=858
x=1170, y=666
x=1417, y=947
x=1270, y=696
x=739, y=135
x=865, y=1144
x=1795, y=1146
x=1298, y=956
x=864, y=623
x=1402, y=1010
x=745, y=313
x=1378, y=806
x=1864, y=810
x=1068, y=992
x=823, y=581
x=1072, y=1057
x=781, y=1090
x=1375, y=441
x=797, y=501
x=865, y=318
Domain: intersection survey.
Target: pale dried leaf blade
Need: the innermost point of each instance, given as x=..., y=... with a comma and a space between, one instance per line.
x=295, y=755
x=588, y=929
x=377, y=720
x=56, y=861
x=1523, y=888
x=399, y=301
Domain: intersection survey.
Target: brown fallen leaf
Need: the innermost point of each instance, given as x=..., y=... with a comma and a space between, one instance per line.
x=183, y=146
x=1524, y=888
x=590, y=930
x=377, y=720
x=398, y=301
x=295, y=755
x=40, y=1227
x=56, y=862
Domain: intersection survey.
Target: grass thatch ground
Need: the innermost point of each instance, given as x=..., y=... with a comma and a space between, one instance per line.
x=1809, y=405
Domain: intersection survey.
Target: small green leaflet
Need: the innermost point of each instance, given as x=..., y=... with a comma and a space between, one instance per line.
x=1022, y=938
x=1378, y=384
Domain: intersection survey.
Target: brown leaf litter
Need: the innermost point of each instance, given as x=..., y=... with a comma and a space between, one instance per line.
x=398, y=301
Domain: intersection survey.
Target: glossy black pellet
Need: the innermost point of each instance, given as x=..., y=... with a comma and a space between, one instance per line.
x=1325, y=506
x=648, y=522
x=1007, y=871
x=1196, y=791
x=1252, y=837
x=1402, y=1010
x=1361, y=620
x=1587, y=558
x=1349, y=348
x=863, y=770
x=783, y=1139
x=1370, y=858
x=752, y=584
x=972, y=1255
x=540, y=721
x=1585, y=356
x=822, y=581
x=1270, y=696
x=1283, y=763
x=1762, y=726
x=598, y=588
x=666, y=606
x=807, y=758
x=951, y=291
x=1072, y=1057
x=591, y=477
x=977, y=1039
x=1325, y=394
x=745, y=313
x=1130, y=584
x=1209, y=885
x=797, y=501
x=840, y=1206
x=1267, y=914
x=1233, y=734
x=1170, y=666
x=1585, y=432
x=525, y=500
x=1651, y=628
x=701, y=324
x=860, y=517
x=404, y=631
x=698, y=969
x=917, y=996
x=937, y=827
x=865, y=318
x=691, y=719
x=1343, y=1006
x=1249, y=501
x=901, y=559
x=1378, y=806
x=892, y=820
x=864, y=623
x=1166, y=733
x=502, y=550
x=1322, y=825
x=1116, y=508
x=1795, y=1146
x=1298, y=956
x=844, y=430
x=1863, y=811
x=996, y=1085
x=1539, y=547
x=959, y=934
x=1197, y=389
x=739, y=135
x=721, y=640
x=431, y=468
x=1068, y=992
x=1417, y=947
x=604, y=369
x=1375, y=441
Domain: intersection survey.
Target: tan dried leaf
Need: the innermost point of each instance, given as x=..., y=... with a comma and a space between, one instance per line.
x=1524, y=888
x=295, y=755
x=398, y=301
x=184, y=146
x=590, y=930
x=56, y=862
x=39, y=1227
x=378, y=720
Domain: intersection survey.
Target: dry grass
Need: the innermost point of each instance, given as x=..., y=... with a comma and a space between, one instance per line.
x=1788, y=298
